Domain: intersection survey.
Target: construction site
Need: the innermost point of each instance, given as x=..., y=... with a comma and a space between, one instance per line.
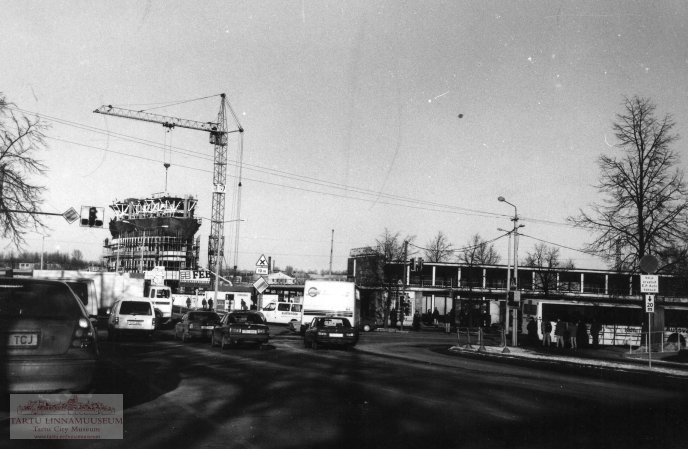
x=159, y=231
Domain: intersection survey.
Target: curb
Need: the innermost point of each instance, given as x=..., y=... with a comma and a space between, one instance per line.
x=627, y=372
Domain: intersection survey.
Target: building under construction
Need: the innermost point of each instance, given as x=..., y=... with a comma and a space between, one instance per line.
x=153, y=232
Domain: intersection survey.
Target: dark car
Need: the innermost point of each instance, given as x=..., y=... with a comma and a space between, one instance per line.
x=245, y=326
x=330, y=331
x=48, y=342
x=197, y=325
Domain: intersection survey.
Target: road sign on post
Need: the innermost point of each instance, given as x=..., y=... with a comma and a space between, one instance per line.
x=650, y=303
x=649, y=283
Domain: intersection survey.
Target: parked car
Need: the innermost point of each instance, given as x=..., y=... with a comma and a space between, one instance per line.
x=49, y=343
x=245, y=326
x=132, y=316
x=197, y=324
x=330, y=331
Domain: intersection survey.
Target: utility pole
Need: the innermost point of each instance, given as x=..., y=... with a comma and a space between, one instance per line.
x=331, y=251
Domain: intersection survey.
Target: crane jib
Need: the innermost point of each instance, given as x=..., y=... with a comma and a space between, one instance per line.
x=169, y=122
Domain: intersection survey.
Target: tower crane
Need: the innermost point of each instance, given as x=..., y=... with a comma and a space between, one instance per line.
x=219, y=132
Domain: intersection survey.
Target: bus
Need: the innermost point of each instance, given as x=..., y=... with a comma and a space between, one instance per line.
x=622, y=324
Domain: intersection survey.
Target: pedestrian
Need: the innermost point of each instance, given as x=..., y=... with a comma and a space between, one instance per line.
x=188, y=302
x=393, y=317
x=546, y=333
x=436, y=317
x=210, y=304
x=532, y=332
x=416, y=321
x=560, y=332
x=595, y=329
x=573, y=334
x=204, y=303
x=582, y=335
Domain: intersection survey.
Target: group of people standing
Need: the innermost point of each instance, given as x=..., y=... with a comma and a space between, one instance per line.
x=572, y=334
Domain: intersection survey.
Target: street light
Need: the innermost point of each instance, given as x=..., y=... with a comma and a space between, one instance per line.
x=514, y=336
x=43, y=249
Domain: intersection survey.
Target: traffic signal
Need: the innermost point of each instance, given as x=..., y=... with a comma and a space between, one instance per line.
x=92, y=217
x=413, y=264
x=420, y=263
x=514, y=298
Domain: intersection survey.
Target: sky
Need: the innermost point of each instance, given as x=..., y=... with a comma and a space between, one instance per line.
x=359, y=116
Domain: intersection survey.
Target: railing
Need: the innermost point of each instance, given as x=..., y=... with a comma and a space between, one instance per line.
x=472, y=337
x=660, y=342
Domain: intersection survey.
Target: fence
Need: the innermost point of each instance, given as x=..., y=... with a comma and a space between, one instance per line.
x=468, y=337
x=660, y=342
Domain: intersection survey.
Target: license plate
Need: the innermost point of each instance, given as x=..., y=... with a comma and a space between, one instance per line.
x=22, y=340
x=135, y=323
x=337, y=335
x=207, y=327
x=249, y=331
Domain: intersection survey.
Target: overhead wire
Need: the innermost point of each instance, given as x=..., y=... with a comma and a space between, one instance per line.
x=412, y=203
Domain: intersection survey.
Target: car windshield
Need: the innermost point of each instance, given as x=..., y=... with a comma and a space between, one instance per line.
x=135, y=308
x=31, y=299
x=333, y=322
x=248, y=318
x=209, y=317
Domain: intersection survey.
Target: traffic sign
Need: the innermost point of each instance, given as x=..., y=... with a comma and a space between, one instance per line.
x=650, y=303
x=262, y=261
x=649, y=283
x=261, y=270
x=71, y=215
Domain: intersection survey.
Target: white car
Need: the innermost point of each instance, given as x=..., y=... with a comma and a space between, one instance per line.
x=132, y=317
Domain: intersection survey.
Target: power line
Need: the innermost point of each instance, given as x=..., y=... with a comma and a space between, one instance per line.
x=419, y=204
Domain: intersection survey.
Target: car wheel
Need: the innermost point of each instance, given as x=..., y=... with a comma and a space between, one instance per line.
x=212, y=340
x=223, y=343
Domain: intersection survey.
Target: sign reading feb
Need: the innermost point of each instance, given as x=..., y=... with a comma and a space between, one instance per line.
x=649, y=283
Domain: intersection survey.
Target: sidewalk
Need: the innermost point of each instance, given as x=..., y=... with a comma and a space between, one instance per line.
x=603, y=358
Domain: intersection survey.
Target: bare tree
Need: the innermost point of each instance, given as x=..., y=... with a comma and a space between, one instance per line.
x=438, y=249
x=546, y=263
x=20, y=200
x=645, y=209
x=390, y=248
x=479, y=252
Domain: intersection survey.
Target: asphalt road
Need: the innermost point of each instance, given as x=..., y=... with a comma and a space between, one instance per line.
x=394, y=391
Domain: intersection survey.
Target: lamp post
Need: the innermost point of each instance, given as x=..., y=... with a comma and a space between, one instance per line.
x=43, y=249
x=514, y=335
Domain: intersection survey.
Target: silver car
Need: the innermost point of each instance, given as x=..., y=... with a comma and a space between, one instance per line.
x=47, y=342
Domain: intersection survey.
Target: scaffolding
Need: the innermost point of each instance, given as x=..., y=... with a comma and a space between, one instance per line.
x=153, y=232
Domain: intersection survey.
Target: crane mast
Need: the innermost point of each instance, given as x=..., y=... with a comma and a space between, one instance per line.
x=218, y=138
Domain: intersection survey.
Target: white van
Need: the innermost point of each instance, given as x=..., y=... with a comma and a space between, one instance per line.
x=282, y=311
x=330, y=298
x=134, y=316
x=161, y=297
